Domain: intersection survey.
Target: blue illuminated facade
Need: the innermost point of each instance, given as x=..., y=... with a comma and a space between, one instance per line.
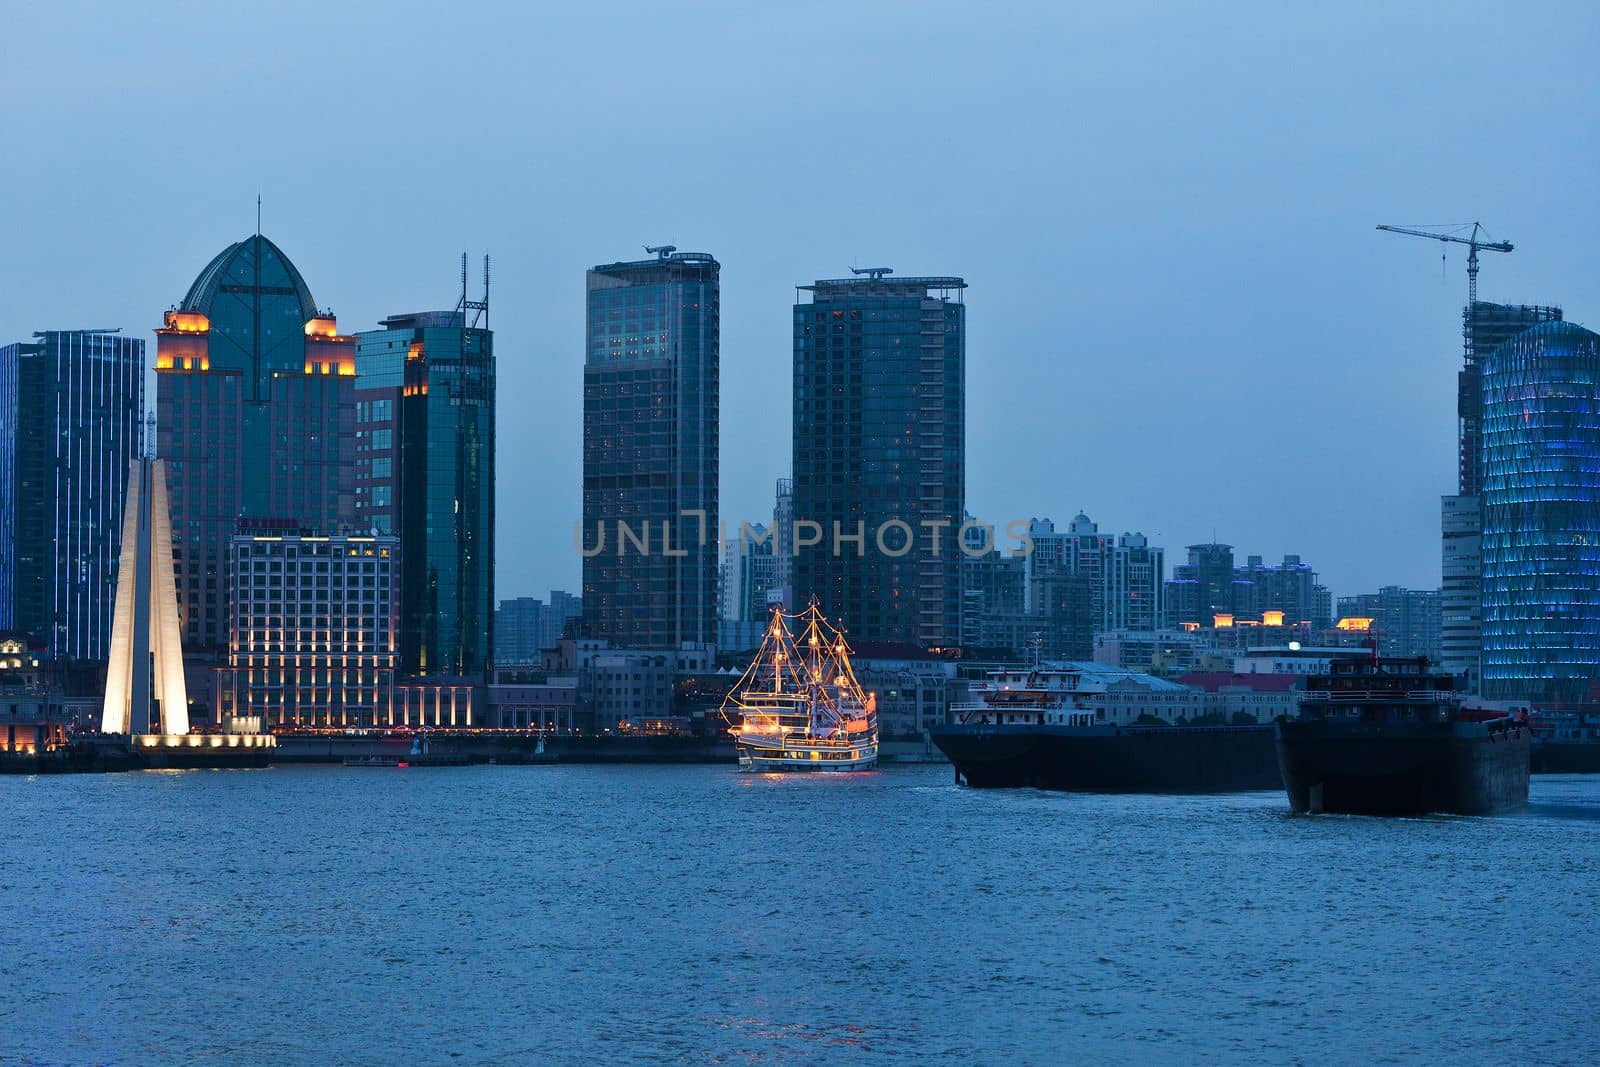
x=1540, y=491
x=71, y=409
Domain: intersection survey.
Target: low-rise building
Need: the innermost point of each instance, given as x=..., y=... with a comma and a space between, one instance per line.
x=550, y=705
x=313, y=640
x=913, y=686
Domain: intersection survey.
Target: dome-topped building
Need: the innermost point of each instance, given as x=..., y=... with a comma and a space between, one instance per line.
x=255, y=412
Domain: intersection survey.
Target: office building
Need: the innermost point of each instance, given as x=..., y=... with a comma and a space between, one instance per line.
x=425, y=466
x=879, y=454
x=1539, y=494
x=650, y=452
x=524, y=627
x=71, y=414
x=1485, y=326
x=255, y=419
x=313, y=626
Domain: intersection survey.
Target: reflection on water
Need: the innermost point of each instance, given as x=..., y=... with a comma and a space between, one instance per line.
x=609, y=914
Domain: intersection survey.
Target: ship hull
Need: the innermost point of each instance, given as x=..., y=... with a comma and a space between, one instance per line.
x=1403, y=769
x=1566, y=757
x=804, y=759
x=1108, y=759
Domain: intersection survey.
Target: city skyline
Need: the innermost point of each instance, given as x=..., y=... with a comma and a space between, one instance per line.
x=1167, y=428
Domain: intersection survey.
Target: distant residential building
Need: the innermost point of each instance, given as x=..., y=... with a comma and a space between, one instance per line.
x=1123, y=575
x=749, y=574
x=255, y=419
x=425, y=463
x=559, y=613
x=1405, y=621
x=783, y=541
x=71, y=414
x=517, y=624
x=1209, y=585
x=1539, y=493
x=993, y=585
x=1202, y=587
x=526, y=626
x=650, y=451
x=1290, y=587
x=879, y=454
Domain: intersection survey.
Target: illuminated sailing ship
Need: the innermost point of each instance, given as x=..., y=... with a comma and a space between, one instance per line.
x=799, y=706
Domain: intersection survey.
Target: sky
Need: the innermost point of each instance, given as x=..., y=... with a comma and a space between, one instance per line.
x=1181, y=319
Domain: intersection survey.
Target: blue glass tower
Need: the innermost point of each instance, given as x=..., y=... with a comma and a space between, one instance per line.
x=71, y=407
x=425, y=472
x=1540, y=494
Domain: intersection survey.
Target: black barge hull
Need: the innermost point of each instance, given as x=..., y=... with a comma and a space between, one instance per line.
x=1456, y=769
x=1109, y=759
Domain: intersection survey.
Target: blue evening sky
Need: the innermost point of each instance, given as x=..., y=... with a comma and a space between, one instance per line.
x=1180, y=316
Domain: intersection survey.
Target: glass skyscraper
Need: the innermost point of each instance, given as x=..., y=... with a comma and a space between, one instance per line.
x=880, y=449
x=1540, y=500
x=425, y=463
x=1484, y=326
x=71, y=412
x=255, y=420
x=650, y=451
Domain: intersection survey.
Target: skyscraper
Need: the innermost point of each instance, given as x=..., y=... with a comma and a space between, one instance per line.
x=1540, y=499
x=425, y=463
x=255, y=420
x=71, y=413
x=650, y=451
x=880, y=453
x=1484, y=327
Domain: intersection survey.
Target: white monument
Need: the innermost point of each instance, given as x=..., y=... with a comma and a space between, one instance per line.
x=145, y=691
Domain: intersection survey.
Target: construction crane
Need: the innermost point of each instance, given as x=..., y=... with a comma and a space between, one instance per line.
x=1472, y=243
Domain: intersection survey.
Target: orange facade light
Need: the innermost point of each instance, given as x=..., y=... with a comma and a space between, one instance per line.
x=186, y=321
x=1272, y=618
x=1221, y=621
x=1355, y=624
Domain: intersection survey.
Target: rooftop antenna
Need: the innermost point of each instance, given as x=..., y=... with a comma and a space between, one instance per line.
x=479, y=309
x=875, y=273
x=258, y=214
x=660, y=251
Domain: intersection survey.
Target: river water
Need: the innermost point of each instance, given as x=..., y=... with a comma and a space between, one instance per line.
x=643, y=914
